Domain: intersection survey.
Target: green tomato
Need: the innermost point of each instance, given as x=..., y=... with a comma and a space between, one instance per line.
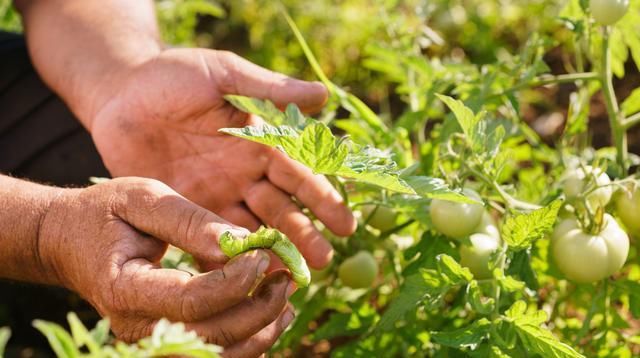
x=383, y=219
x=585, y=257
x=476, y=256
x=359, y=270
x=576, y=181
x=608, y=12
x=488, y=226
x=456, y=220
x=628, y=209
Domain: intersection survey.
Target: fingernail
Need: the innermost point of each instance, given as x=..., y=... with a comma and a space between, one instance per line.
x=291, y=288
x=264, y=264
x=287, y=317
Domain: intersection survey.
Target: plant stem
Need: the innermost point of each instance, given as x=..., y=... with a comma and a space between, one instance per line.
x=615, y=121
x=631, y=121
x=510, y=201
x=545, y=80
x=502, y=260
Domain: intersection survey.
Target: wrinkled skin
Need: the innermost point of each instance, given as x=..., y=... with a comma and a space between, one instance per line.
x=105, y=242
x=163, y=121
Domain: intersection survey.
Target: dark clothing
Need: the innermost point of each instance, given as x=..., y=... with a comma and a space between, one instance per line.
x=40, y=140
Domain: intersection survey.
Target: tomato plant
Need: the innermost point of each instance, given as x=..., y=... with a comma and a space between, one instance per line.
x=359, y=270
x=587, y=257
x=538, y=265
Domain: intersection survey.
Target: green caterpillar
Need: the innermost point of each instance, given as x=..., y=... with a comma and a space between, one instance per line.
x=277, y=242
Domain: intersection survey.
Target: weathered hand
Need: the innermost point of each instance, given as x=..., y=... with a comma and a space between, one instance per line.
x=105, y=243
x=163, y=120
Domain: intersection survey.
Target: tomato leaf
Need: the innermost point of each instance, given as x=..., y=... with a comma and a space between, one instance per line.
x=436, y=188
x=312, y=144
x=60, y=341
x=522, y=229
x=452, y=271
x=527, y=325
x=465, y=337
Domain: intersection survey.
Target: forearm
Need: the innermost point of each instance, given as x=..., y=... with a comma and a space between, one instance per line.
x=84, y=48
x=23, y=208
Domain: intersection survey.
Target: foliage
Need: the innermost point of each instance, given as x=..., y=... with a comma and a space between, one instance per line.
x=166, y=339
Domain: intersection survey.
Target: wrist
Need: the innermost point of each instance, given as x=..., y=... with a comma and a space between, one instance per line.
x=24, y=206
x=53, y=240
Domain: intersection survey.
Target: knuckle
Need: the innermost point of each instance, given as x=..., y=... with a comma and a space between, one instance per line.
x=228, y=65
x=221, y=336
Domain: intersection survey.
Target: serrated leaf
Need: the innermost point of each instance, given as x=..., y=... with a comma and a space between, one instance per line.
x=508, y=283
x=320, y=150
x=465, y=116
x=520, y=266
x=436, y=188
x=465, y=337
x=452, y=270
x=265, y=109
x=527, y=325
x=522, y=229
x=317, y=148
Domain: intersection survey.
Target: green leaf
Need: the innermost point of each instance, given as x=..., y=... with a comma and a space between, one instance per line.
x=465, y=337
x=450, y=269
x=5, y=334
x=508, y=283
x=259, y=107
x=320, y=150
x=631, y=104
x=428, y=284
x=527, y=325
x=81, y=335
x=480, y=304
x=100, y=332
x=465, y=116
x=60, y=341
x=435, y=188
x=173, y=339
x=522, y=229
x=316, y=147
x=520, y=266
x=347, y=324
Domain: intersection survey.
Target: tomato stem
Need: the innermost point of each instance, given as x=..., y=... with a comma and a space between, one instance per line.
x=615, y=121
x=631, y=121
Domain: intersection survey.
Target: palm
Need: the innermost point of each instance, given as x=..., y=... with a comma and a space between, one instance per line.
x=164, y=124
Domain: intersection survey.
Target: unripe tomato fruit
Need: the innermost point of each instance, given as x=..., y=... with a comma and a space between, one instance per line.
x=628, y=208
x=359, y=270
x=383, y=219
x=607, y=12
x=456, y=220
x=488, y=226
x=585, y=257
x=476, y=256
x=576, y=181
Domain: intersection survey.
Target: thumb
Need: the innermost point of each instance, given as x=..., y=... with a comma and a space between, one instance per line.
x=248, y=79
x=154, y=208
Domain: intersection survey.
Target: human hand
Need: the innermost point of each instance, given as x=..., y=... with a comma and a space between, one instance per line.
x=163, y=120
x=105, y=242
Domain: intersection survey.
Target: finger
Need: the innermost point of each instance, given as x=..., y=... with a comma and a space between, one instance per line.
x=247, y=79
x=154, y=208
x=314, y=191
x=145, y=289
x=263, y=340
x=249, y=317
x=275, y=208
